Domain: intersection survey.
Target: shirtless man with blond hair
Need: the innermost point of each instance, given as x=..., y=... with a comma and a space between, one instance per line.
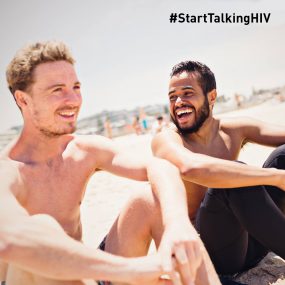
x=238, y=218
x=44, y=174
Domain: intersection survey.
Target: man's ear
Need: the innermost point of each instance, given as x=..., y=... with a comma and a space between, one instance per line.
x=212, y=95
x=20, y=98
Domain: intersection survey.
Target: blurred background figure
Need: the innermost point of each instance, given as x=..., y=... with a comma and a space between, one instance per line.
x=158, y=125
x=108, y=128
x=143, y=120
x=137, y=125
x=239, y=100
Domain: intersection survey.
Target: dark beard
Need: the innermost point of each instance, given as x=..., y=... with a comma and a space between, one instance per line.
x=202, y=116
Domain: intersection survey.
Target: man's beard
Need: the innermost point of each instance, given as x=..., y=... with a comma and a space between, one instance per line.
x=51, y=130
x=57, y=133
x=201, y=117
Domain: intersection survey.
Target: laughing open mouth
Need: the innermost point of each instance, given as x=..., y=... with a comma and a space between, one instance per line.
x=183, y=112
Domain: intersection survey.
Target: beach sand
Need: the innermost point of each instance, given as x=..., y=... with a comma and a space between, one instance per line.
x=106, y=194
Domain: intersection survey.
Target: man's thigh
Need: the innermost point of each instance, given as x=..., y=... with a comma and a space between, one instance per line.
x=224, y=237
x=276, y=160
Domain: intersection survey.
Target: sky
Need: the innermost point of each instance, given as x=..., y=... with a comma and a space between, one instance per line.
x=125, y=49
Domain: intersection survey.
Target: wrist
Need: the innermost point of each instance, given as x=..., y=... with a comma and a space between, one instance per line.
x=140, y=267
x=179, y=223
x=277, y=177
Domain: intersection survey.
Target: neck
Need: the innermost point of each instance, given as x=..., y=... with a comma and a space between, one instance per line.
x=206, y=133
x=36, y=147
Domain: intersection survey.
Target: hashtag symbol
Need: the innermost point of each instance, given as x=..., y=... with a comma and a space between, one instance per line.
x=173, y=17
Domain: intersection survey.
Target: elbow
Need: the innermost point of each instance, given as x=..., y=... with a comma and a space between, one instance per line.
x=159, y=167
x=186, y=170
x=193, y=171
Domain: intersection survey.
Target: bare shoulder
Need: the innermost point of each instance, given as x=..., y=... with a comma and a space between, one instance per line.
x=169, y=134
x=167, y=137
x=236, y=122
x=93, y=143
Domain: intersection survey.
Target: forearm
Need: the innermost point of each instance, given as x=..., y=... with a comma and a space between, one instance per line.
x=219, y=173
x=169, y=189
x=39, y=246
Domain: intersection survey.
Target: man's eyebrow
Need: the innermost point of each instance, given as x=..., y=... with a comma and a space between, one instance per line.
x=60, y=85
x=187, y=87
x=183, y=88
x=171, y=92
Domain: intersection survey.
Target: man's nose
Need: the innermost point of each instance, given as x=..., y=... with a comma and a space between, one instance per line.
x=178, y=100
x=73, y=98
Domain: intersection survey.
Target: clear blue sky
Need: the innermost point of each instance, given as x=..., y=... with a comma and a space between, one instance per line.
x=125, y=49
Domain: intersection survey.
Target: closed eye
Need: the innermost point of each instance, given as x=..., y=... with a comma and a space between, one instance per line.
x=58, y=89
x=172, y=98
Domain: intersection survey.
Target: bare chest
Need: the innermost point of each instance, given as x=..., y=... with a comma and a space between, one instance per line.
x=223, y=146
x=54, y=190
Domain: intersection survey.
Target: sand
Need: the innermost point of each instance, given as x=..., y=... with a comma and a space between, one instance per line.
x=106, y=194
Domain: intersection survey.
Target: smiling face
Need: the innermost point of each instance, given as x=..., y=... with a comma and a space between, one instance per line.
x=189, y=107
x=53, y=100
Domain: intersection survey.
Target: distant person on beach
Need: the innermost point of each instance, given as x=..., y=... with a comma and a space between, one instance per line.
x=108, y=128
x=143, y=120
x=158, y=125
x=44, y=174
x=238, y=210
x=137, y=125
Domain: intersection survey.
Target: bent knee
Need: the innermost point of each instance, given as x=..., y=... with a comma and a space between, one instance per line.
x=145, y=205
x=276, y=159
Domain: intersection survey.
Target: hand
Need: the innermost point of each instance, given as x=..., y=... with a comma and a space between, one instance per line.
x=181, y=244
x=148, y=271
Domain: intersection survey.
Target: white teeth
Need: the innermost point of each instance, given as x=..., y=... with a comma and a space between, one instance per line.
x=67, y=113
x=185, y=111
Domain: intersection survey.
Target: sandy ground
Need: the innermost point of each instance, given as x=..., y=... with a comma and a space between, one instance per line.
x=106, y=194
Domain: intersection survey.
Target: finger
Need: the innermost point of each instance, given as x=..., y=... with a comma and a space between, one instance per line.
x=193, y=260
x=198, y=250
x=166, y=259
x=175, y=278
x=184, y=266
x=181, y=255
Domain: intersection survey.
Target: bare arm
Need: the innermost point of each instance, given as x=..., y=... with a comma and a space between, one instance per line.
x=209, y=171
x=39, y=245
x=179, y=238
x=106, y=155
x=260, y=132
x=163, y=176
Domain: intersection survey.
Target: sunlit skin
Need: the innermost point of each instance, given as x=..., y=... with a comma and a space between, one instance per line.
x=189, y=106
x=206, y=156
x=53, y=100
x=54, y=166
x=186, y=95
